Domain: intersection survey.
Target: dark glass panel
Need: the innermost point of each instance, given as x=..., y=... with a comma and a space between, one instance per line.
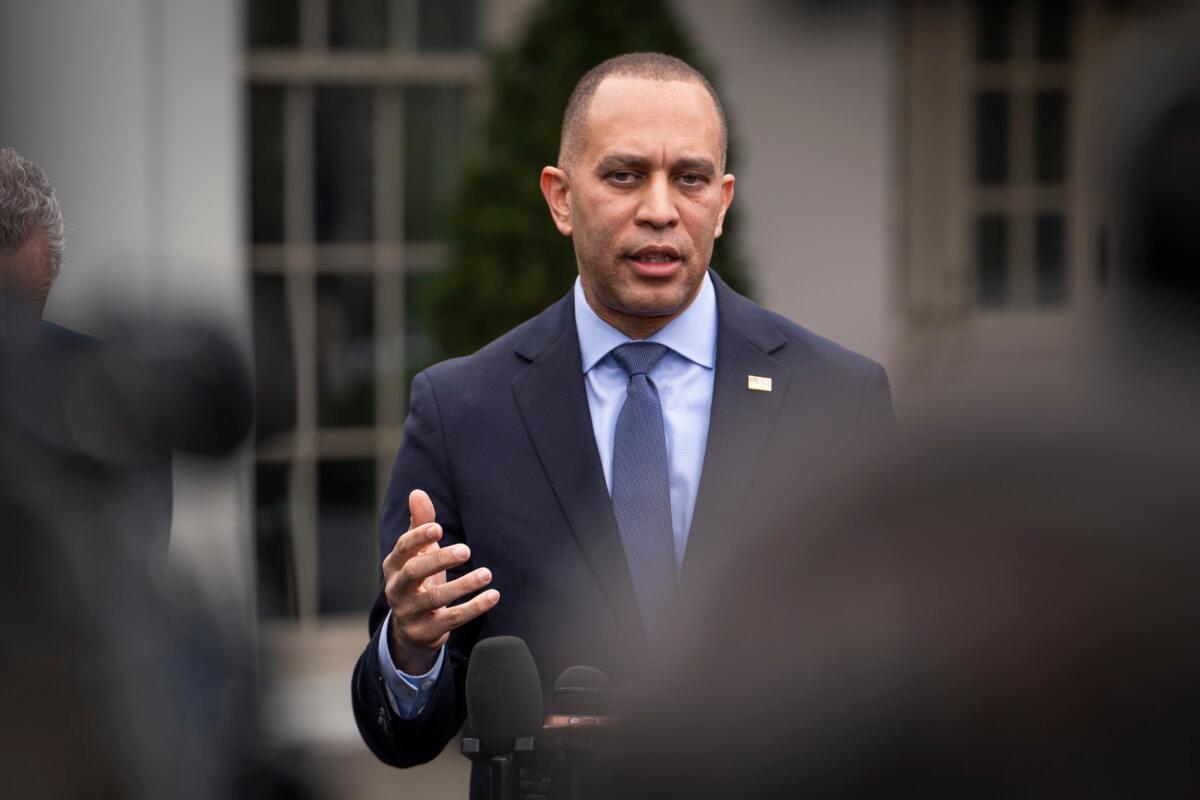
x=420, y=346
x=276, y=563
x=991, y=259
x=991, y=137
x=1050, y=236
x=1050, y=135
x=274, y=360
x=266, y=163
x=993, y=29
x=358, y=24
x=344, y=205
x=434, y=119
x=347, y=542
x=1054, y=22
x=273, y=23
x=447, y=24
x=345, y=350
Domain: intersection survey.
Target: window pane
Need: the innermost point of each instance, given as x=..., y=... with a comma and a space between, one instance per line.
x=1051, y=135
x=420, y=346
x=991, y=137
x=273, y=23
x=447, y=25
x=991, y=259
x=358, y=24
x=1051, y=263
x=344, y=203
x=433, y=143
x=266, y=163
x=1054, y=19
x=993, y=29
x=345, y=350
x=347, y=541
x=274, y=362
x=273, y=542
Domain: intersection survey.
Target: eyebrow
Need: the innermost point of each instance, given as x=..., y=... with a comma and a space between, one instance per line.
x=700, y=165
x=618, y=161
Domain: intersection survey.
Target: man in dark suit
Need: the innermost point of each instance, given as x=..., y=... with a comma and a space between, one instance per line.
x=571, y=473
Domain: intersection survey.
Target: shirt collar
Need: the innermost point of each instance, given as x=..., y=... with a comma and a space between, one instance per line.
x=693, y=334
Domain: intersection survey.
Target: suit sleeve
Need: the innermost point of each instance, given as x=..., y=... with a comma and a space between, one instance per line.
x=421, y=463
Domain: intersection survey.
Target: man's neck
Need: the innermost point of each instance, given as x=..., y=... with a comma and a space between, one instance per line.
x=635, y=326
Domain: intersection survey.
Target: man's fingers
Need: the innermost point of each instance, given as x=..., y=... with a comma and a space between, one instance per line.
x=429, y=629
x=452, y=617
x=420, y=508
x=410, y=543
x=418, y=568
x=445, y=593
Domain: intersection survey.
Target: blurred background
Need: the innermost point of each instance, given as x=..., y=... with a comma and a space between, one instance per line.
x=349, y=186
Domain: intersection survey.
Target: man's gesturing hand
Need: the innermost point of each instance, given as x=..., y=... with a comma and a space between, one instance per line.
x=414, y=579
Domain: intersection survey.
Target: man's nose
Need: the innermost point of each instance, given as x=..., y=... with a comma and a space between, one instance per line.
x=657, y=208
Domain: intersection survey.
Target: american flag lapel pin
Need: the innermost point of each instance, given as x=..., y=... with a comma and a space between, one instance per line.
x=758, y=384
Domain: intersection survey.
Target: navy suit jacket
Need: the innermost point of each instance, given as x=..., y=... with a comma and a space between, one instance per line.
x=502, y=441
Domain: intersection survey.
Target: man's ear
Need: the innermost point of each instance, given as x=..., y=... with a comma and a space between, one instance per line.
x=726, y=200
x=556, y=188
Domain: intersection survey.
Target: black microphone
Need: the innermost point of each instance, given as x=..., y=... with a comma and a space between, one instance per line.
x=504, y=709
x=581, y=698
x=151, y=387
x=582, y=691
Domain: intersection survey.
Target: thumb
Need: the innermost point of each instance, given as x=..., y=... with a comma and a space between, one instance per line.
x=420, y=507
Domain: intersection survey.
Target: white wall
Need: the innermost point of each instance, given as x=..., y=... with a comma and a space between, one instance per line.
x=133, y=109
x=810, y=92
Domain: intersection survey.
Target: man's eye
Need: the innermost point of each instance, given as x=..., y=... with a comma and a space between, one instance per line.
x=691, y=179
x=622, y=177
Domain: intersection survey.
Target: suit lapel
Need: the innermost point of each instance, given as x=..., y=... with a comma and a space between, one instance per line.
x=553, y=404
x=740, y=422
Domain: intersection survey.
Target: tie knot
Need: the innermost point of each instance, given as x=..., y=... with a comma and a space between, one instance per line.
x=638, y=358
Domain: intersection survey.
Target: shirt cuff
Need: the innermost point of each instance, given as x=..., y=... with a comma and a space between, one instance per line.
x=407, y=694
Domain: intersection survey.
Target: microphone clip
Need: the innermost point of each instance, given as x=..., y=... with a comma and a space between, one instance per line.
x=472, y=749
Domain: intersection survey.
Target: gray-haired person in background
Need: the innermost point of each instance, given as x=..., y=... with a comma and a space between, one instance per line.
x=114, y=663
x=66, y=390
x=31, y=232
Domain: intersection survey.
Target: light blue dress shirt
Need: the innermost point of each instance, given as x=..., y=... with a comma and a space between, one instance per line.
x=684, y=378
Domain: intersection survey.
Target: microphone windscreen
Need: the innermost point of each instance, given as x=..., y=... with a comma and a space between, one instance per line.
x=201, y=392
x=582, y=690
x=150, y=387
x=504, y=693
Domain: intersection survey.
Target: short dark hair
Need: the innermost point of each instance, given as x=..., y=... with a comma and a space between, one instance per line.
x=646, y=66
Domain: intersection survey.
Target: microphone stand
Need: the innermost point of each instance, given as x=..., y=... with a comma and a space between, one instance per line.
x=501, y=766
x=576, y=742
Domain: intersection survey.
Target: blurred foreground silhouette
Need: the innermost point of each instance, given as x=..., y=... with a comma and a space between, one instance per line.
x=120, y=680
x=1006, y=603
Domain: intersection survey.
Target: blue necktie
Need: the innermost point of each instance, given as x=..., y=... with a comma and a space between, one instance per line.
x=641, y=491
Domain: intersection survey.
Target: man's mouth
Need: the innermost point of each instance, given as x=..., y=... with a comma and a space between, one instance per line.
x=655, y=261
x=656, y=254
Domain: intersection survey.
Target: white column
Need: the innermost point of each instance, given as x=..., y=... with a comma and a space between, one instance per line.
x=810, y=92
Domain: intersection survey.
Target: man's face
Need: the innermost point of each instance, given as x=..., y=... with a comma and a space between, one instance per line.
x=26, y=274
x=644, y=200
